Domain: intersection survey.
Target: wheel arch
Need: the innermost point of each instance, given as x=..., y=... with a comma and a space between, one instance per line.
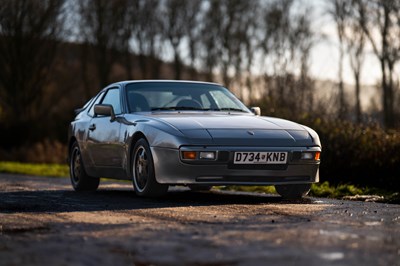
x=71, y=142
x=138, y=135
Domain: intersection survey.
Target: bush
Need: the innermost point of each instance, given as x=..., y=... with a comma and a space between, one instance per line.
x=361, y=155
x=46, y=151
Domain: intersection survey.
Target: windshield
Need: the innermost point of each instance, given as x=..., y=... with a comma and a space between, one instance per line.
x=172, y=96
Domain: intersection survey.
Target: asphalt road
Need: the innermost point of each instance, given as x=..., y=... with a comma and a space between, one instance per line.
x=44, y=222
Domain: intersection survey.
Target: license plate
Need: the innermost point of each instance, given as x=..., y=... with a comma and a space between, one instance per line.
x=260, y=158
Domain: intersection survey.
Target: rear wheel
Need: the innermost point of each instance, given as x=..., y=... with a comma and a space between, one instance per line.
x=80, y=180
x=296, y=191
x=144, y=180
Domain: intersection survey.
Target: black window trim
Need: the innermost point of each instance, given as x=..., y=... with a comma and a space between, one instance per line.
x=112, y=87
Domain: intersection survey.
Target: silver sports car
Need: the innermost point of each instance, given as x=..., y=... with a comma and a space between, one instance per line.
x=197, y=134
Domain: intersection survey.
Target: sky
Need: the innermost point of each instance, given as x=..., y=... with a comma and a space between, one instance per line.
x=325, y=55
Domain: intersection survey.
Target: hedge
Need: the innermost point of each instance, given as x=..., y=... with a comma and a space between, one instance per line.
x=360, y=155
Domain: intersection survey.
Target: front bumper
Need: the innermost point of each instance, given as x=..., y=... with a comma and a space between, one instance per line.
x=170, y=169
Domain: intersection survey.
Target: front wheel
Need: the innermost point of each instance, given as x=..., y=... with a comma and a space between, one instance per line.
x=144, y=180
x=296, y=191
x=80, y=180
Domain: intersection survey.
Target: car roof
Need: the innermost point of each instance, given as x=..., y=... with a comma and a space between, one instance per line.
x=161, y=80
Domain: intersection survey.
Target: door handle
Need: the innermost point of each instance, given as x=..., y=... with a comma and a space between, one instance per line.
x=92, y=127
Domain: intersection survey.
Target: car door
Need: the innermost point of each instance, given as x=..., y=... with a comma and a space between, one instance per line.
x=103, y=139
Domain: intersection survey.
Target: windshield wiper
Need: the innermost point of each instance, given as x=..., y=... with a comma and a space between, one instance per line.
x=229, y=109
x=176, y=108
x=163, y=108
x=190, y=108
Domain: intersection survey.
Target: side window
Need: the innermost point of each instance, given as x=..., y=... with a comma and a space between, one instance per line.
x=112, y=97
x=91, y=111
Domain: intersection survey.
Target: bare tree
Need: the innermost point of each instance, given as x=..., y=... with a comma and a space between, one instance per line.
x=380, y=20
x=210, y=41
x=102, y=27
x=302, y=41
x=339, y=11
x=176, y=15
x=239, y=17
x=275, y=45
x=286, y=41
x=130, y=19
x=250, y=43
x=226, y=38
x=355, y=39
x=147, y=33
x=28, y=40
x=228, y=28
x=193, y=32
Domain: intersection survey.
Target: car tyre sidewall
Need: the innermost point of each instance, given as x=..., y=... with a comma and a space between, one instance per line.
x=295, y=191
x=151, y=188
x=80, y=180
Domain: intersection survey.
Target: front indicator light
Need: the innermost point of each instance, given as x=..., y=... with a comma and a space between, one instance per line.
x=207, y=155
x=317, y=155
x=189, y=155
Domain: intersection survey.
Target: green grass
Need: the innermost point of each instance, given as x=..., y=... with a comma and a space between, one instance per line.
x=57, y=170
x=259, y=189
x=325, y=190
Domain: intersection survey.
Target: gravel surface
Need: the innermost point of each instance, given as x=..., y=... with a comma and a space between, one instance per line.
x=44, y=222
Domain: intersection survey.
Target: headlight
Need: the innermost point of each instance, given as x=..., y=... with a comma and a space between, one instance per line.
x=208, y=155
x=199, y=155
x=307, y=155
x=310, y=155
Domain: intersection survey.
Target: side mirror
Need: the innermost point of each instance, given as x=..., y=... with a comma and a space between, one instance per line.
x=104, y=109
x=255, y=110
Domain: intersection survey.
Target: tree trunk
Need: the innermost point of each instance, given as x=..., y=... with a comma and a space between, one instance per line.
x=342, y=100
x=358, y=101
x=128, y=64
x=177, y=65
x=84, y=67
x=387, y=96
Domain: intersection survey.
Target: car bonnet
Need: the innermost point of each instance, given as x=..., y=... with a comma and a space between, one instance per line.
x=241, y=130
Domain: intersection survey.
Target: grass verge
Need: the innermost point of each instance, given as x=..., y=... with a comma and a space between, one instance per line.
x=56, y=170
x=347, y=191
x=324, y=190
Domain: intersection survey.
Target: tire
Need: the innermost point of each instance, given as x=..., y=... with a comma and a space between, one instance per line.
x=200, y=187
x=293, y=191
x=143, y=176
x=80, y=180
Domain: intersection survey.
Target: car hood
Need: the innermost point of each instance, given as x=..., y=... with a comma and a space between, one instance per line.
x=241, y=130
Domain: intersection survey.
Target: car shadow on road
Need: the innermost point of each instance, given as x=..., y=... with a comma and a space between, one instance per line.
x=114, y=199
